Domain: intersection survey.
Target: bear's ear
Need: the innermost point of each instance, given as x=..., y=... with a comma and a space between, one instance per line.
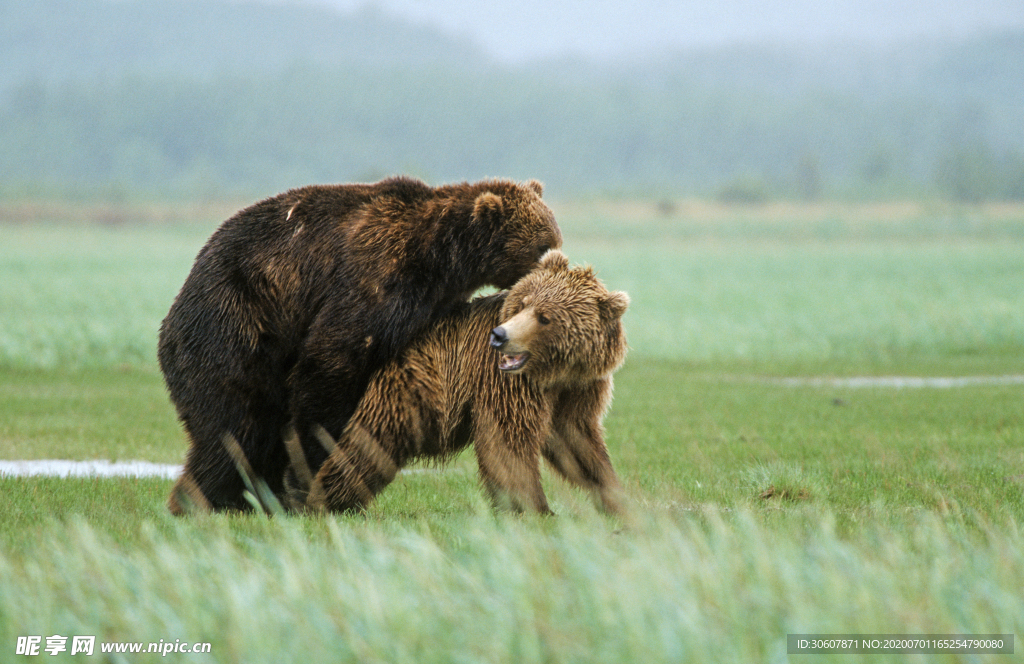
x=555, y=260
x=487, y=206
x=615, y=304
x=536, y=186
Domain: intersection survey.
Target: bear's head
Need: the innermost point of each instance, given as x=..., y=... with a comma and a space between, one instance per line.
x=520, y=228
x=560, y=324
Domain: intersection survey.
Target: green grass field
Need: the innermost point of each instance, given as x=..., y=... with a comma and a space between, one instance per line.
x=762, y=507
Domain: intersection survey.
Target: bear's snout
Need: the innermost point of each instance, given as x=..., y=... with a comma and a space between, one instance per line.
x=512, y=359
x=499, y=337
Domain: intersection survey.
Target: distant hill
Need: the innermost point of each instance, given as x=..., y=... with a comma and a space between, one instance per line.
x=66, y=40
x=189, y=97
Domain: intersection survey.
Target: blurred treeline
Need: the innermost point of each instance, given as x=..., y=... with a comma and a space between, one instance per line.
x=214, y=99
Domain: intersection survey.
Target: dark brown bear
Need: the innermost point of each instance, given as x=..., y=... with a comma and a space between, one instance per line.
x=559, y=338
x=295, y=301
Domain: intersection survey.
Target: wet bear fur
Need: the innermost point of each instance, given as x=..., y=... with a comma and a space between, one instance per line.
x=520, y=374
x=296, y=301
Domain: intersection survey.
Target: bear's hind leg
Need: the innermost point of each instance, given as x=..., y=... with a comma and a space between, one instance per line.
x=356, y=471
x=211, y=479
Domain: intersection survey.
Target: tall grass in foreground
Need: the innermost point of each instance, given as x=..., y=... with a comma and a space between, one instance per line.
x=699, y=586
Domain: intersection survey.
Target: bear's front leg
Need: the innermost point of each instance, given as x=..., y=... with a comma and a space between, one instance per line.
x=507, y=446
x=576, y=447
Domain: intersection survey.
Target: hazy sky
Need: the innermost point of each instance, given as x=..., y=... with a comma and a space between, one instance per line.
x=520, y=29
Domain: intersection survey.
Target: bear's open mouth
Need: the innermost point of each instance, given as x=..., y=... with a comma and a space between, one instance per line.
x=513, y=362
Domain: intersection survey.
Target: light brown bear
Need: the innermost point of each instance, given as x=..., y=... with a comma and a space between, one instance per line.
x=521, y=373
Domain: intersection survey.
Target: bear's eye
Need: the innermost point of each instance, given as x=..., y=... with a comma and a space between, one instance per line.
x=542, y=319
